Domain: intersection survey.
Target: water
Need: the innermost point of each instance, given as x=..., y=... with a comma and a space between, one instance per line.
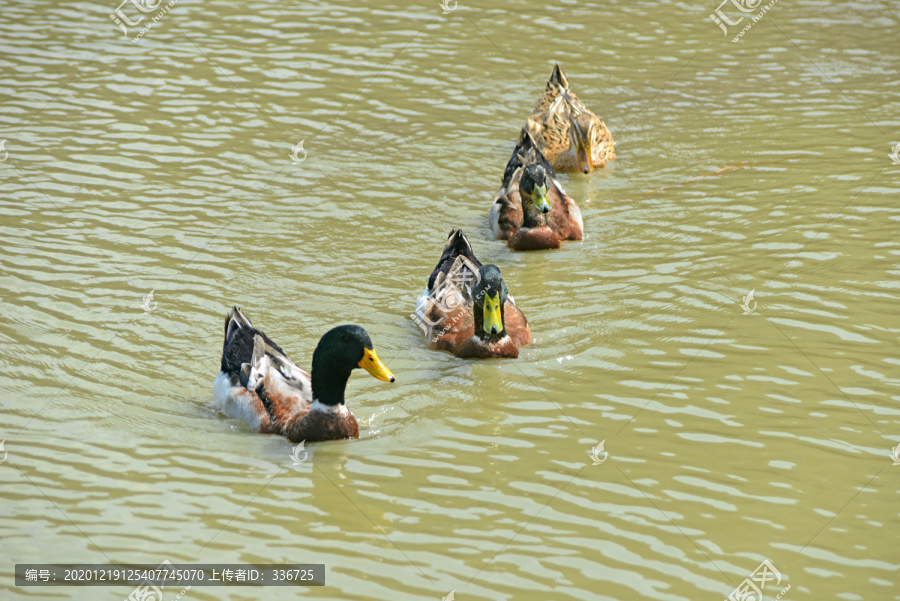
x=733, y=438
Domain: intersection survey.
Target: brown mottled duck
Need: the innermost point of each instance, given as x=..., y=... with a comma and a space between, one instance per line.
x=567, y=132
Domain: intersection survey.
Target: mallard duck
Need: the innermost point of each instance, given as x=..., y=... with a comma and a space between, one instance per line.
x=466, y=308
x=532, y=211
x=261, y=386
x=567, y=132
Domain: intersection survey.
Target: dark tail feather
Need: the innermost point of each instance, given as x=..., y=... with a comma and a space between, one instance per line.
x=520, y=155
x=233, y=349
x=558, y=78
x=526, y=153
x=456, y=245
x=235, y=320
x=526, y=141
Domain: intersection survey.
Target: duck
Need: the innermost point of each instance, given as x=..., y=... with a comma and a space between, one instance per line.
x=532, y=211
x=466, y=308
x=260, y=385
x=571, y=136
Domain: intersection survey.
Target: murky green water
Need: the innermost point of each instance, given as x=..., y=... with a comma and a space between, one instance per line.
x=733, y=438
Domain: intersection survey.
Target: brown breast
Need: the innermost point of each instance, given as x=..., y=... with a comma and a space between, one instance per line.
x=317, y=426
x=538, y=238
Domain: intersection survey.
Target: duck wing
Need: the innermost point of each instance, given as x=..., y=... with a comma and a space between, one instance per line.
x=550, y=121
x=565, y=216
x=506, y=210
x=259, y=364
x=602, y=142
x=447, y=307
x=550, y=128
x=239, y=344
x=259, y=383
x=555, y=85
x=284, y=389
x=516, y=323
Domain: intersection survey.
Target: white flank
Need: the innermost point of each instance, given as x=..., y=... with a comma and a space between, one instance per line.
x=494, y=218
x=234, y=401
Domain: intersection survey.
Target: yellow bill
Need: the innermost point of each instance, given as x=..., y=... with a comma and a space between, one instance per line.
x=372, y=364
x=540, y=198
x=493, y=322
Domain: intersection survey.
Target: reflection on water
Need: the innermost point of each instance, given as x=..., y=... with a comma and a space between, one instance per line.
x=172, y=166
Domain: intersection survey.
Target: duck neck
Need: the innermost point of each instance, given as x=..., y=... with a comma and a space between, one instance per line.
x=480, y=333
x=531, y=215
x=328, y=382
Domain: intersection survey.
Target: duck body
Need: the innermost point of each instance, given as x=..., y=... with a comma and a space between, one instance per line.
x=466, y=309
x=571, y=136
x=260, y=385
x=531, y=210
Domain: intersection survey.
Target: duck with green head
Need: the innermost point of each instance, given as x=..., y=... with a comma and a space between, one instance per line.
x=260, y=385
x=466, y=308
x=531, y=210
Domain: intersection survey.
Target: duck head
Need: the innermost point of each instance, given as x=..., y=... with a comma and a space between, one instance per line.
x=580, y=131
x=490, y=297
x=533, y=189
x=339, y=352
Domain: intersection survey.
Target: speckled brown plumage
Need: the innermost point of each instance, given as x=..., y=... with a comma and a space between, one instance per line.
x=551, y=125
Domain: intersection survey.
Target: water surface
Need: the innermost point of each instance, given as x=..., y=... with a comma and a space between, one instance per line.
x=165, y=165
